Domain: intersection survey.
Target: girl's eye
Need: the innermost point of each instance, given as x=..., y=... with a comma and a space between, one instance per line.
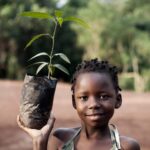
x=83, y=98
x=104, y=97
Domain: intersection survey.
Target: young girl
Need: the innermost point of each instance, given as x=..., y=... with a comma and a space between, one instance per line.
x=95, y=96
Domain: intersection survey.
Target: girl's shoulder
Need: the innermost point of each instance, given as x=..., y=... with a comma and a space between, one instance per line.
x=129, y=143
x=61, y=136
x=65, y=134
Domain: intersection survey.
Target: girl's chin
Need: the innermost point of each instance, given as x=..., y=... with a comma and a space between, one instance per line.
x=96, y=123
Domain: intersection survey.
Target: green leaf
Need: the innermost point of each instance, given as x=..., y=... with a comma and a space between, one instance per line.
x=63, y=56
x=36, y=63
x=41, y=67
x=77, y=20
x=40, y=15
x=35, y=38
x=58, y=13
x=39, y=54
x=62, y=68
x=60, y=20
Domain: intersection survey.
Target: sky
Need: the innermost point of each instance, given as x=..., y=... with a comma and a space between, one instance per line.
x=61, y=3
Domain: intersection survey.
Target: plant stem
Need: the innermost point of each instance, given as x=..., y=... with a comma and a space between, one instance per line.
x=53, y=39
x=50, y=73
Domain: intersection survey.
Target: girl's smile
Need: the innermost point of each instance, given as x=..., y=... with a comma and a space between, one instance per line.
x=95, y=98
x=95, y=117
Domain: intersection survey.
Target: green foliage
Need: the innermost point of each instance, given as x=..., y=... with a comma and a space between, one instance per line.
x=35, y=38
x=147, y=85
x=146, y=76
x=39, y=15
x=58, y=19
x=126, y=83
x=119, y=33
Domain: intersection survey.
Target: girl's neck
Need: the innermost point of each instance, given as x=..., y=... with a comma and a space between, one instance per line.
x=95, y=132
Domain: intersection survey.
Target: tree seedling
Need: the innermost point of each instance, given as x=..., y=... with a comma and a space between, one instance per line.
x=58, y=19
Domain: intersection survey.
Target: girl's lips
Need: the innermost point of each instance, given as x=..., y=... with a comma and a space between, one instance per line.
x=95, y=116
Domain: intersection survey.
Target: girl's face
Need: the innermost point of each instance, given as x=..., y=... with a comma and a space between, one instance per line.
x=95, y=98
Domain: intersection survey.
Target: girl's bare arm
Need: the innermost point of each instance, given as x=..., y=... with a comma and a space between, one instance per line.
x=39, y=137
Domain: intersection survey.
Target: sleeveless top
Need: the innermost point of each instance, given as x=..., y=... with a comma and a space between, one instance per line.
x=114, y=138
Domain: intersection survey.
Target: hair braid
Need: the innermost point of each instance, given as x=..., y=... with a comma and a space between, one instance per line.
x=94, y=65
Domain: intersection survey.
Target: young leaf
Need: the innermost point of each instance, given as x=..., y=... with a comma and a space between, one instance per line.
x=41, y=67
x=77, y=20
x=58, y=13
x=62, y=68
x=60, y=20
x=35, y=38
x=36, y=63
x=39, y=54
x=40, y=15
x=63, y=56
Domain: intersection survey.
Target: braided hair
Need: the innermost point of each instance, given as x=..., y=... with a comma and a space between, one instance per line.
x=94, y=65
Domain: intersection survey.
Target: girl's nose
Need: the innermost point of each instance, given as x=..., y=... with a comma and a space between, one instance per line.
x=93, y=103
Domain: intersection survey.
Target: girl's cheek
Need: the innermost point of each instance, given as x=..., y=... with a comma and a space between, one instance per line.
x=80, y=106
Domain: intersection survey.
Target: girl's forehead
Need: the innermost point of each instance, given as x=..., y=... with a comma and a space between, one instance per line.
x=93, y=75
x=95, y=79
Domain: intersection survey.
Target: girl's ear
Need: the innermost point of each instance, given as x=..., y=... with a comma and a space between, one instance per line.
x=73, y=101
x=118, y=100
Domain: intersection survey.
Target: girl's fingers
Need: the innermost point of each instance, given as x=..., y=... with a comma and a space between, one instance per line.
x=52, y=115
x=28, y=130
x=51, y=119
x=19, y=122
x=49, y=126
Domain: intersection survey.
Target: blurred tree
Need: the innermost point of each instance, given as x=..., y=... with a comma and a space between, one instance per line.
x=96, y=14
x=128, y=34
x=119, y=33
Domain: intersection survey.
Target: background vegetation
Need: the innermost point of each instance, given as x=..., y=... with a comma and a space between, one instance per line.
x=120, y=33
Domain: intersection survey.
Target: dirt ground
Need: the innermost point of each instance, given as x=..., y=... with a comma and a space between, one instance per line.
x=132, y=119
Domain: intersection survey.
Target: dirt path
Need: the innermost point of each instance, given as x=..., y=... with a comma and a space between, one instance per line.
x=132, y=119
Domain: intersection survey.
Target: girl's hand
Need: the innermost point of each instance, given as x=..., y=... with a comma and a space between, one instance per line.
x=39, y=137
